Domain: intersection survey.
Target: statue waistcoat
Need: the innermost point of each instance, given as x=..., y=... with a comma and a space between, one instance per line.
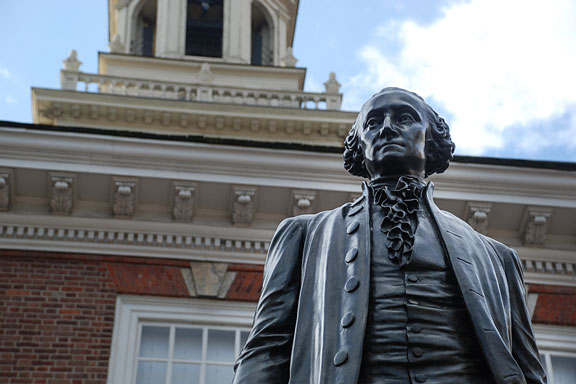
x=418, y=328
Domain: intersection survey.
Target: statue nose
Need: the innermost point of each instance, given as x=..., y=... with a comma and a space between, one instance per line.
x=387, y=121
x=387, y=129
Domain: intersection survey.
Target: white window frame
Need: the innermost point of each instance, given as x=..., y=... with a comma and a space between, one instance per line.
x=133, y=311
x=554, y=341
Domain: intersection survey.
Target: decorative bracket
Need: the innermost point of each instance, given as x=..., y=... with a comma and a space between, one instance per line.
x=536, y=225
x=208, y=279
x=116, y=45
x=61, y=193
x=478, y=213
x=124, y=197
x=183, y=202
x=289, y=60
x=205, y=74
x=302, y=202
x=243, y=205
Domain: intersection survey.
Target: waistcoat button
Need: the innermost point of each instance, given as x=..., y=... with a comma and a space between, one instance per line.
x=347, y=320
x=420, y=378
x=413, y=278
x=352, y=284
x=417, y=352
x=352, y=227
x=340, y=358
x=416, y=328
x=351, y=255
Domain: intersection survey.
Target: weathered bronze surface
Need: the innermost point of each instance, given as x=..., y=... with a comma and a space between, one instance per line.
x=389, y=288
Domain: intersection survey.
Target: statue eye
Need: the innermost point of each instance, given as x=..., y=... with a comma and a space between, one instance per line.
x=372, y=122
x=405, y=118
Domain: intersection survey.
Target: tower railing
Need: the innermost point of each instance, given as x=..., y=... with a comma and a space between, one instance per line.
x=114, y=85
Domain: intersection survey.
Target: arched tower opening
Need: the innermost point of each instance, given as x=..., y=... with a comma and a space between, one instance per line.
x=262, y=36
x=204, y=26
x=144, y=33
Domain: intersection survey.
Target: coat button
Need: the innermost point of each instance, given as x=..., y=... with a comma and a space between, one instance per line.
x=347, y=320
x=355, y=210
x=420, y=378
x=352, y=227
x=417, y=352
x=352, y=284
x=340, y=358
x=416, y=328
x=413, y=278
x=351, y=255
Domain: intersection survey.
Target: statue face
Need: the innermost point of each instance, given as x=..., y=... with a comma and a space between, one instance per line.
x=393, y=135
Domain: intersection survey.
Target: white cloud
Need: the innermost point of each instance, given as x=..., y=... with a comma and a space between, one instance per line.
x=491, y=64
x=5, y=73
x=10, y=100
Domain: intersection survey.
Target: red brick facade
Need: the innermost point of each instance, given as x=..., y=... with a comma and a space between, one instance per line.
x=56, y=320
x=556, y=305
x=57, y=311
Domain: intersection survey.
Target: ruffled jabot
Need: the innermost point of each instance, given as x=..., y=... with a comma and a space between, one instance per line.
x=400, y=201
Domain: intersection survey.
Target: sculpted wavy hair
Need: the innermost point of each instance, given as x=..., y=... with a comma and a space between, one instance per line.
x=439, y=147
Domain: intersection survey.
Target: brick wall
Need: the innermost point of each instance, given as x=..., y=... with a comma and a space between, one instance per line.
x=56, y=320
x=57, y=309
x=556, y=305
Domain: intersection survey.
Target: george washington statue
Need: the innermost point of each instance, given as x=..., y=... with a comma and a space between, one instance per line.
x=389, y=288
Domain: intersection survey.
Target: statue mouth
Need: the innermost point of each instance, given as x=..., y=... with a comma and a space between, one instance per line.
x=390, y=146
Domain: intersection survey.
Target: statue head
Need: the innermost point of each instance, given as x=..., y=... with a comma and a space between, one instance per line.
x=396, y=133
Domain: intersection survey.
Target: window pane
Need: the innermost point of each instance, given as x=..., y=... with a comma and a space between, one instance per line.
x=219, y=374
x=151, y=372
x=154, y=342
x=186, y=374
x=220, y=345
x=564, y=368
x=188, y=344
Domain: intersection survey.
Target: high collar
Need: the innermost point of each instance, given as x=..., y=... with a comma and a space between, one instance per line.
x=394, y=180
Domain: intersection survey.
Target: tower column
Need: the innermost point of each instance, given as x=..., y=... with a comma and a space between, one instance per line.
x=171, y=28
x=237, y=31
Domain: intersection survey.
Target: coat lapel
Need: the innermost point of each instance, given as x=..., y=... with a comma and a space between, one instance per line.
x=463, y=247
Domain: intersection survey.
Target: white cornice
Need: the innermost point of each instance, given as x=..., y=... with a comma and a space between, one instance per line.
x=196, y=242
x=182, y=118
x=133, y=238
x=92, y=153
x=73, y=152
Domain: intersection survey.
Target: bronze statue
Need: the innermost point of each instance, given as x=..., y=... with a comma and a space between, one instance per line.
x=389, y=288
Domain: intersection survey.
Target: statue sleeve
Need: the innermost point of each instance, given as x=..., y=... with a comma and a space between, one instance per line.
x=266, y=355
x=524, y=348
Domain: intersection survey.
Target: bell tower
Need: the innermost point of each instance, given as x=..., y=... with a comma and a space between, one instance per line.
x=206, y=68
x=258, y=32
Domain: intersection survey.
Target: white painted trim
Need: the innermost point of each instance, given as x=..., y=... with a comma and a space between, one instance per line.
x=555, y=338
x=74, y=152
x=132, y=310
x=134, y=238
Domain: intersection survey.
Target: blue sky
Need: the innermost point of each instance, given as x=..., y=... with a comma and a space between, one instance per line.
x=501, y=72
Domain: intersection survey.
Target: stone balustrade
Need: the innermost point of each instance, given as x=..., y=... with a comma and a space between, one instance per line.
x=80, y=81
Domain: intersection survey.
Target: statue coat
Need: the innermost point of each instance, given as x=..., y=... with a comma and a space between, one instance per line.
x=317, y=278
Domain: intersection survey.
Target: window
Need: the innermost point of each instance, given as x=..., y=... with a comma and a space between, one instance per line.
x=204, y=26
x=173, y=341
x=178, y=354
x=557, y=352
x=560, y=367
x=145, y=30
x=262, y=51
